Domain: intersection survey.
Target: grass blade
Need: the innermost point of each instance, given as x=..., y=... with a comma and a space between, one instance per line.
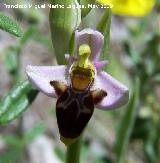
x=126, y=126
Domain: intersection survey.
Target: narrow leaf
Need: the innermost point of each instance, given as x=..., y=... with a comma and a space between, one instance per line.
x=27, y=35
x=9, y=25
x=104, y=28
x=33, y=33
x=126, y=125
x=16, y=101
x=63, y=22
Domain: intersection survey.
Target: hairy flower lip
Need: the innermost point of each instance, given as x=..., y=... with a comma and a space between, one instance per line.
x=117, y=93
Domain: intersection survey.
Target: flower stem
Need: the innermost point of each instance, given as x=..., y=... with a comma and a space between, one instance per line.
x=73, y=152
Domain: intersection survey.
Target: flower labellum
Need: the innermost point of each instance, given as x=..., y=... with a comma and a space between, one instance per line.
x=79, y=86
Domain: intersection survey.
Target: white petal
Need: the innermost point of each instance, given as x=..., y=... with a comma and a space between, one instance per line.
x=91, y=37
x=117, y=93
x=40, y=77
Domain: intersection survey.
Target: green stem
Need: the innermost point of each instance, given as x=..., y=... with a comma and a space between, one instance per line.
x=73, y=152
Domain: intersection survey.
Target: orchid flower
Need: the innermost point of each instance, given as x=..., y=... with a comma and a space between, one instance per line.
x=80, y=85
x=129, y=7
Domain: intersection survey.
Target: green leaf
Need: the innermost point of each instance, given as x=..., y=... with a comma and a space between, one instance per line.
x=27, y=35
x=9, y=25
x=16, y=101
x=126, y=125
x=87, y=6
x=132, y=53
x=104, y=27
x=33, y=33
x=63, y=22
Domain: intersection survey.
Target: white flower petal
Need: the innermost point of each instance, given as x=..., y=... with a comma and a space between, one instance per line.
x=117, y=93
x=40, y=77
x=91, y=37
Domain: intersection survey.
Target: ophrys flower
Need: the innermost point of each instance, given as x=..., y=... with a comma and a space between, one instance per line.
x=79, y=86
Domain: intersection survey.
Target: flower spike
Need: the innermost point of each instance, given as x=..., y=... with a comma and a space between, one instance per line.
x=79, y=86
